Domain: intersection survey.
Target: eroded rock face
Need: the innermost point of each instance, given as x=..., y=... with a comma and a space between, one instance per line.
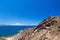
x=26, y=34
x=51, y=27
x=48, y=29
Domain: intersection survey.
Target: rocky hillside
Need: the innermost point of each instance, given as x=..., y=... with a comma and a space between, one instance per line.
x=48, y=29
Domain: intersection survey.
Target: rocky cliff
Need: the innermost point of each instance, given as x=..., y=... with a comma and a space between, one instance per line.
x=48, y=29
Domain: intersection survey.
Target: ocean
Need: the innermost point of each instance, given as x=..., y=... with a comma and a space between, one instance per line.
x=12, y=30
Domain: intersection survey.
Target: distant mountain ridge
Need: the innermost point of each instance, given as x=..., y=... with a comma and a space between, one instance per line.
x=17, y=25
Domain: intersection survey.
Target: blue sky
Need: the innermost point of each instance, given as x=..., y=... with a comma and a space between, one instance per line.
x=27, y=11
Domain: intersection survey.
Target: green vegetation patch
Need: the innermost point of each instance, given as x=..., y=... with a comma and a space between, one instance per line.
x=2, y=38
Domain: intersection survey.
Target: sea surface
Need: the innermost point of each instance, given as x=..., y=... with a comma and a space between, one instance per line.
x=12, y=30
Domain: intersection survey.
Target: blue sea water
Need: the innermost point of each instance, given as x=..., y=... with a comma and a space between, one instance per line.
x=11, y=30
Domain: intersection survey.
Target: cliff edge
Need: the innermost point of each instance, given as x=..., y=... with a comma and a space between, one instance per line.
x=48, y=29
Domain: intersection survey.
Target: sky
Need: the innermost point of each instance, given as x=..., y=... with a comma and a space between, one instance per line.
x=27, y=12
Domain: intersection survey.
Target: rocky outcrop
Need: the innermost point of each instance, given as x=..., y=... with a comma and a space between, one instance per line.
x=48, y=29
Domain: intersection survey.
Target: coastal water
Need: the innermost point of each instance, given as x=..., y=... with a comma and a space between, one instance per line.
x=11, y=30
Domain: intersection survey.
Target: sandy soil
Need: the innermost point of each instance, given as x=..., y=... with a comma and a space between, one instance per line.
x=9, y=38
